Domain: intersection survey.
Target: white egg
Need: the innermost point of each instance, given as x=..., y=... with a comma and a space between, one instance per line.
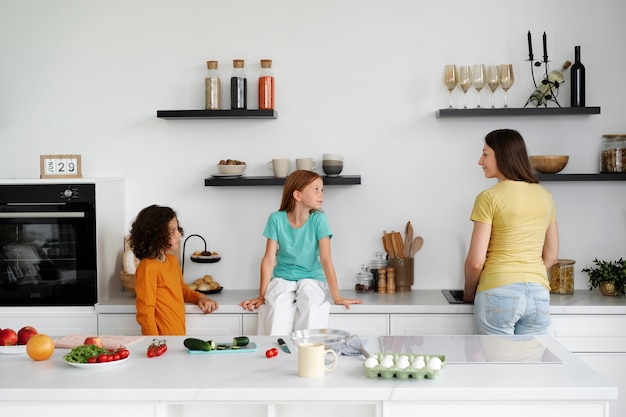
x=403, y=357
x=403, y=363
x=387, y=363
x=419, y=363
x=434, y=363
x=388, y=357
x=371, y=362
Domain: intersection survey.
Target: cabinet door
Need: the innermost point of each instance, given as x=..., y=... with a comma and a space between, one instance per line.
x=432, y=324
x=590, y=333
x=214, y=324
x=363, y=325
x=197, y=324
x=53, y=324
x=613, y=368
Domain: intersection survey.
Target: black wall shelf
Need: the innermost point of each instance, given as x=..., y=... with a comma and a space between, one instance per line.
x=254, y=181
x=217, y=114
x=612, y=176
x=508, y=111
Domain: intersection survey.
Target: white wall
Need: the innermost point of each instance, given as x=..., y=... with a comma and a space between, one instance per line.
x=361, y=78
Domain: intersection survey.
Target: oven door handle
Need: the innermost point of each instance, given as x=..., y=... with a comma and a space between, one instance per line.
x=43, y=215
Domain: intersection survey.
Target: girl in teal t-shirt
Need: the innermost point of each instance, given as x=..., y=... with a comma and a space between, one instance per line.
x=297, y=271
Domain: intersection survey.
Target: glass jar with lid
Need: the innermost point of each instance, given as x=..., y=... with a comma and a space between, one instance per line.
x=613, y=153
x=375, y=264
x=561, y=276
x=364, y=280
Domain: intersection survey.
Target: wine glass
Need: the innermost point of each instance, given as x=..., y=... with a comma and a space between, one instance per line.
x=465, y=81
x=493, y=80
x=478, y=80
x=506, y=79
x=450, y=79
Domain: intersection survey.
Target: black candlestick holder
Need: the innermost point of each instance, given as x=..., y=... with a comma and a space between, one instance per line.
x=548, y=89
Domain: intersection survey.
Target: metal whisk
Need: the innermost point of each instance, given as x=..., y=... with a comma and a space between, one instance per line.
x=354, y=347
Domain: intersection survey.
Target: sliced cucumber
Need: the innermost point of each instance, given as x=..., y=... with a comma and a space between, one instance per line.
x=240, y=341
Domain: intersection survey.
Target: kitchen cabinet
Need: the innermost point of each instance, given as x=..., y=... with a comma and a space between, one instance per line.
x=270, y=180
x=366, y=326
x=217, y=114
x=431, y=324
x=51, y=321
x=510, y=111
x=600, y=341
x=197, y=324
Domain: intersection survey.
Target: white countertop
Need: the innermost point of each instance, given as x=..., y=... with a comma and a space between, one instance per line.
x=413, y=302
x=180, y=376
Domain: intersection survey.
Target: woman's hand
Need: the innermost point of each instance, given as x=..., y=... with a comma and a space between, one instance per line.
x=252, y=304
x=206, y=304
x=347, y=301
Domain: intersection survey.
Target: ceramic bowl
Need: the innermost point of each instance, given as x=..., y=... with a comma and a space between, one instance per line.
x=332, y=170
x=332, y=339
x=549, y=164
x=232, y=169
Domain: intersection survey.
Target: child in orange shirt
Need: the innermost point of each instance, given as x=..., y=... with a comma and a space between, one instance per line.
x=159, y=284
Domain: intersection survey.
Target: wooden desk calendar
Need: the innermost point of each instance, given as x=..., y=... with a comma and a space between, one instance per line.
x=60, y=166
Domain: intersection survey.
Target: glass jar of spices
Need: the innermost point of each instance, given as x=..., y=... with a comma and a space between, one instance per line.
x=613, y=153
x=561, y=276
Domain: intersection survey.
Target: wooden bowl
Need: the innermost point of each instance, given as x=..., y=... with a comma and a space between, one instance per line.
x=549, y=164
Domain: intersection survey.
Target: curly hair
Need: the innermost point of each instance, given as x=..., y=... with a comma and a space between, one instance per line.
x=511, y=155
x=296, y=181
x=149, y=233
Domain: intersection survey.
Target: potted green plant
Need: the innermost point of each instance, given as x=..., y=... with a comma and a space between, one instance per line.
x=608, y=276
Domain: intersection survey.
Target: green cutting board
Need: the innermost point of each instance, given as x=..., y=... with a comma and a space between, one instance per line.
x=250, y=347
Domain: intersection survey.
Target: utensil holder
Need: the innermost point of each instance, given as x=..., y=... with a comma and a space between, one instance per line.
x=404, y=273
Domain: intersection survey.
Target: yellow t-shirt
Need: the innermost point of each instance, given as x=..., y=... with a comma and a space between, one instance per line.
x=161, y=296
x=519, y=214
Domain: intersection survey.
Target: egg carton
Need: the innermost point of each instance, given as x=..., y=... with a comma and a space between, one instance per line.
x=406, y=373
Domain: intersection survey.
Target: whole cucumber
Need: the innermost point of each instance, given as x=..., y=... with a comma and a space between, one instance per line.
x=197, y=344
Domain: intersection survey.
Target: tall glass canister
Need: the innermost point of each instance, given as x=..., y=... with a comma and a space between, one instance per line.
x=238, y=86
x=266, y=86
x=212, y=88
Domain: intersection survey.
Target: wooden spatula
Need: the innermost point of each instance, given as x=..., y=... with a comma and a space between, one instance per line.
x=398, y=245
x=408, y=239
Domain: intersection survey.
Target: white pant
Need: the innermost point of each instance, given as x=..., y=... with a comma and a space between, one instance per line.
x=293, y=305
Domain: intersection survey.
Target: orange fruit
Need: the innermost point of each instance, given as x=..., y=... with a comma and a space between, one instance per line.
x=40, y=347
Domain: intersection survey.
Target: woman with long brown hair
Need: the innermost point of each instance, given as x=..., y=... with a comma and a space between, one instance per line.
x=515, y=239
x=297, y=270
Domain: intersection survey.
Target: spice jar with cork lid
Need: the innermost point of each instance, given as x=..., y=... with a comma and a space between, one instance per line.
x=212, y=88
x=613, y=153
x=561, y=276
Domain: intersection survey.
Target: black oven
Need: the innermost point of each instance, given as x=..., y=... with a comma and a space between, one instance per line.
x=48, y=245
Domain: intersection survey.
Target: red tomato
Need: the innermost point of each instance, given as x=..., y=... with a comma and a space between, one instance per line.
x=123, y=353
x=116, y=357
x=270, y=353
x=93, y=359
x=102, y=358
x=151, y=352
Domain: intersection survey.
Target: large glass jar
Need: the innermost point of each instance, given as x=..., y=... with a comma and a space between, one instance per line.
x=561, y=277
x=613, y=153
x=364, y=280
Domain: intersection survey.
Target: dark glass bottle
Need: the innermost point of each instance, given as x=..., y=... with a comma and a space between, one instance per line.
x=238, y=87
x=578, y=80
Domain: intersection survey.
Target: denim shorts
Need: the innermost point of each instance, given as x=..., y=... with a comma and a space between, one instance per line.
x=520, y=308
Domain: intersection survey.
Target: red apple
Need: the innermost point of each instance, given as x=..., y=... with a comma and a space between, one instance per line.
x=8, y=337
x=24, y=334
x=94, y=340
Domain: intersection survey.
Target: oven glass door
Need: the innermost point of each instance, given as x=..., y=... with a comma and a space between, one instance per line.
x=48, y=255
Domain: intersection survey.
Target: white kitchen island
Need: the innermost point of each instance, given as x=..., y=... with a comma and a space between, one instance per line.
x=179, y=384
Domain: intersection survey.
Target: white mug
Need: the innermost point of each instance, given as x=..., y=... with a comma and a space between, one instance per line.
x=308, y=164
x=311, y=360
x=280, y=167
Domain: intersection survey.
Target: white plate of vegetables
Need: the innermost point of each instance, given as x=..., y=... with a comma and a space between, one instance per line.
x=94, y=357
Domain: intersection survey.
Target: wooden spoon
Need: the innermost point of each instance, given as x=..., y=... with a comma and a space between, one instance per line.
x=417, y=244
x=408, y=239
x=388, y=245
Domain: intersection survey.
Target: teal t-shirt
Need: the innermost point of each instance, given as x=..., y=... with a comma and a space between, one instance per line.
x=298, y=249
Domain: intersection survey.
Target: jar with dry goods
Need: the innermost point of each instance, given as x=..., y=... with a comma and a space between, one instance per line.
x=212, y=87
x=364, y=280
x=613, y=153
x=561, y=277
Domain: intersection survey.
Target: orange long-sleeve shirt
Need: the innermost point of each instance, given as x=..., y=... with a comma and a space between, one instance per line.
x=161, y=297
